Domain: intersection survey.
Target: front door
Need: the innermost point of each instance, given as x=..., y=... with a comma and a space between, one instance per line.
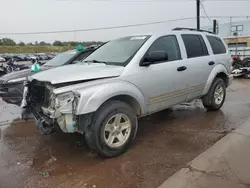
x=163, y=84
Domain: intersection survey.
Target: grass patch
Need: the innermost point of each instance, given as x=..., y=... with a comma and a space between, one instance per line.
x=33, y=49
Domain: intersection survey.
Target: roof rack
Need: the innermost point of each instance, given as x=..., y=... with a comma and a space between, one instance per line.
x=191, y=29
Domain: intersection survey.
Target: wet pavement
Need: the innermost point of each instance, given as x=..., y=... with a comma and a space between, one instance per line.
x=166, y=141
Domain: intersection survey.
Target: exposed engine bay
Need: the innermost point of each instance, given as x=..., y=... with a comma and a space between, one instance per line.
x=49, y=111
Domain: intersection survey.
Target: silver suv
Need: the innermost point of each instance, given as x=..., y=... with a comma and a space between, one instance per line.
x=126, y=79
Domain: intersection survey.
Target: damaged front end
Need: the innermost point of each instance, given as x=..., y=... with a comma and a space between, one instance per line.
x=49, y=110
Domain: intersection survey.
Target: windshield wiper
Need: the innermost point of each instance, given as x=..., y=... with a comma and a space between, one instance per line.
x=95, y=61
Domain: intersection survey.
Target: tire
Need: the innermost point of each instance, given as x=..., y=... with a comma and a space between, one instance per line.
x=209, y=101
x=98, y=135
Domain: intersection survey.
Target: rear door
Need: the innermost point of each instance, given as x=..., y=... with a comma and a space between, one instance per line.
x=220, y=53
x=199, y=63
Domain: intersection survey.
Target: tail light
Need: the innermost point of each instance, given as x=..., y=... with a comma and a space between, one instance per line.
x=3, y=99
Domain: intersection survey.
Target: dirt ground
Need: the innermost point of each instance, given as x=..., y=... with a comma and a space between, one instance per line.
x=166, y=141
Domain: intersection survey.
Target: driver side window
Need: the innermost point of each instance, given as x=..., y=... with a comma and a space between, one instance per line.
x=168, y=44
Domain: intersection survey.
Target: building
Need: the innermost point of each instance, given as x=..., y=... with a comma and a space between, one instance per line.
x=241, y=28
x=236, y=35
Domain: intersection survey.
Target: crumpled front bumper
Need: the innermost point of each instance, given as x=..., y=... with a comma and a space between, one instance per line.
x=65, y=121
x=48, y=119
x=52, y=114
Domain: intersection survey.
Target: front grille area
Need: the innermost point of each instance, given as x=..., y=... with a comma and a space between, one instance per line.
x=39, y=93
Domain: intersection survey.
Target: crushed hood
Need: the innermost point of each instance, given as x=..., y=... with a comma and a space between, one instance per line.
x=78, y=72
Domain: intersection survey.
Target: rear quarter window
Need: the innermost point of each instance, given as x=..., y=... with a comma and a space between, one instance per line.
x=217, y=45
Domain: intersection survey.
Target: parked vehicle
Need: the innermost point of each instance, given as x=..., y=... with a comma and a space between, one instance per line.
x=103, y=97
x=7, y=57
x=12, y=66
x=241, y=68
x=242, y=72
x=32, y=57
x=11, y=85
x=2, y=59
x=18, y=58
x=3, y=70
x=50, y=56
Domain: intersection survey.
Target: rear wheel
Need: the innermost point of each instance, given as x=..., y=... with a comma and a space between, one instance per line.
x=113, y=129
x=216, y=96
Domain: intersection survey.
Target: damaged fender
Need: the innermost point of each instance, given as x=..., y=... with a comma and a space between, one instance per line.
x=92, y=98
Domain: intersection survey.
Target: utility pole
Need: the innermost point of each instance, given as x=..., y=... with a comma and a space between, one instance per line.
x=198, y=13
x=230, y=27
x=215, y=26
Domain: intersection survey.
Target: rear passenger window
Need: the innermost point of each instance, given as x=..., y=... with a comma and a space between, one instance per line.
x=217, y=45
x=195, y=45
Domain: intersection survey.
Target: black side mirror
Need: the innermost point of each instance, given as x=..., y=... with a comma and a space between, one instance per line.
x=155, y=56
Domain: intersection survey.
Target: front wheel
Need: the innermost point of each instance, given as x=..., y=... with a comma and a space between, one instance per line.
x=216, y=95
x=113, y=129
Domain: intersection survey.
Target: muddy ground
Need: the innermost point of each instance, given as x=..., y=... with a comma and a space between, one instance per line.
x=166, y=141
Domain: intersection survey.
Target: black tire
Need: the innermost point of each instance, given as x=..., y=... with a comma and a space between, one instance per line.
x=95, y=134
x=209, y=99
x=88, y=138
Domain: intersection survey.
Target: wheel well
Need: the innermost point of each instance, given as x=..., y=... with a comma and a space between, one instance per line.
x=223, y=76
x=129, y=100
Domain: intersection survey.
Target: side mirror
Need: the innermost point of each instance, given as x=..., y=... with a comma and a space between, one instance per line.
x=155, y=56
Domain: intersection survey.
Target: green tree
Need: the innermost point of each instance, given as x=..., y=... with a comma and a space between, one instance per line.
x=30, y=44
x=7, y=42
x=42, y=43
x=21, y=44
x=57, y=43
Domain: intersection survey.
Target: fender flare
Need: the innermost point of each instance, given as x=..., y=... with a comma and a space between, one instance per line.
x=107, y=91
x=216, y=70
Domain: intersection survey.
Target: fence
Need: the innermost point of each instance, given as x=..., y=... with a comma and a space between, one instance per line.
x=242, y=52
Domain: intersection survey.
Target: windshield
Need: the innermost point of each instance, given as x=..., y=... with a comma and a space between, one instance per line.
x=119, y=51
x=61, y=58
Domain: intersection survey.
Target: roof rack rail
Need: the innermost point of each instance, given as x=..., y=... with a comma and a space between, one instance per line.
x=191, y=29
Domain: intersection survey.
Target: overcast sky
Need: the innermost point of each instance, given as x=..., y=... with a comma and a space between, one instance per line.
x=53, y=15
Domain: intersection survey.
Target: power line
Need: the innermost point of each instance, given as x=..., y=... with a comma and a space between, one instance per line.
x=100, y=28
x=203, y=7
x=121, y=26
x=146, y=1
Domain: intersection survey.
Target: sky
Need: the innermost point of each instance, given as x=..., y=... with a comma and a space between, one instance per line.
x=53, y=15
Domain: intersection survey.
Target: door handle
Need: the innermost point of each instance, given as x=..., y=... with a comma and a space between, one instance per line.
x=211, y=63
x=181, y=68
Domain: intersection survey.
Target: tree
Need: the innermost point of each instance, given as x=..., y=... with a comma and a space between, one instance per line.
x=57, y=43
x=21, y=44
x=7, y=42
x=30, y=44
x=42, y=43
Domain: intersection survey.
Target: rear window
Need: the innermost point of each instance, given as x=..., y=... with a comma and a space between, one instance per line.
x=217, y=45
x=195, y=45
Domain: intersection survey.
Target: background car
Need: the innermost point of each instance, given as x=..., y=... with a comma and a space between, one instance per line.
x=2, y=59
x=7, y=57
x=11, y=85
x=18, y=57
